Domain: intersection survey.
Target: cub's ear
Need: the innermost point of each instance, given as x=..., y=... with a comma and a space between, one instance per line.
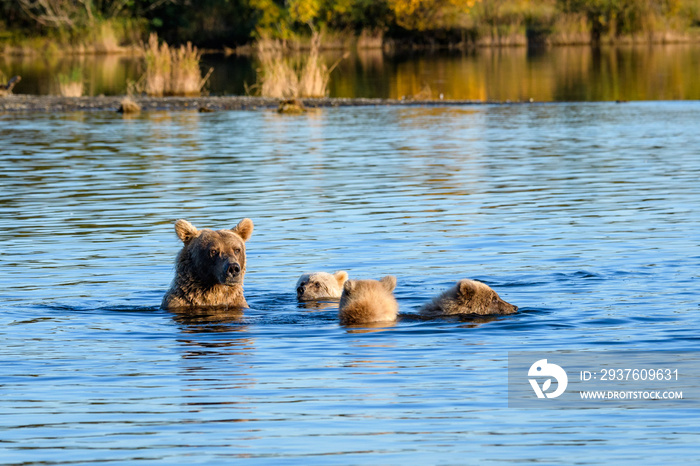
x=466, y=288
x=185, y=231
x=349, y=286
x=341, y=276
x=388, y=282
x=244, y=229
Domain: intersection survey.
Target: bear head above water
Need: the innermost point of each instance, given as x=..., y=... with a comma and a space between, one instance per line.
x=321, y=285
x=468, y=297
x=210, y=267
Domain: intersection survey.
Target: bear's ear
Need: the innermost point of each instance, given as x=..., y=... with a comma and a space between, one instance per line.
x=349, y=286
x=185, y=231
x=341, y=276
x=388, y=282
x=466, y=288
x=244, y=229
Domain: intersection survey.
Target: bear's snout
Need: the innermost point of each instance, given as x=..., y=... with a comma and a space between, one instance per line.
x=300, y=290
x=508, y=308
x=231, y=273
x=233, y=270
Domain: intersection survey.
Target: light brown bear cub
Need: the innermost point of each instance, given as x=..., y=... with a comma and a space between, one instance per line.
x=321, y=285
x=367, y=301
x=209, y=268
x=467, y=297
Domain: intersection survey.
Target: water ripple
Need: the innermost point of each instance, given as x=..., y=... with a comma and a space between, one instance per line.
x=582, y=215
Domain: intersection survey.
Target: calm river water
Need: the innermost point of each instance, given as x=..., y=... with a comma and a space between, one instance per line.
x=586, y=216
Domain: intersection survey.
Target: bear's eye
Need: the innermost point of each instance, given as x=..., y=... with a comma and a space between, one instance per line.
x=213, y=252
x=237, y=250
x=494, y=299
x=317, y=285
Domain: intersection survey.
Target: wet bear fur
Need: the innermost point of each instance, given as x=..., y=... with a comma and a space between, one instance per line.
x=468, y=297
x=210, y=267
x=368, y=301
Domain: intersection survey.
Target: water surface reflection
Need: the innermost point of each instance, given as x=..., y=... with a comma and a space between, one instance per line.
x=583, y=215
x=581, y=73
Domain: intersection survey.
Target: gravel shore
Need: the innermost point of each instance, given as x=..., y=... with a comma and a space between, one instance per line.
x=57, y=104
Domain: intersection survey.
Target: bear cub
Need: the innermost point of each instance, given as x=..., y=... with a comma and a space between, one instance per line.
x=321, y=285
x=209, y=268
x=368, y=301
x=468, y=297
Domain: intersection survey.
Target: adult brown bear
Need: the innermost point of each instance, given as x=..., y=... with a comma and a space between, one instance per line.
x=209, y=268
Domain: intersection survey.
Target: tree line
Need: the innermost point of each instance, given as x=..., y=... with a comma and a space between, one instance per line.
x=219, y=23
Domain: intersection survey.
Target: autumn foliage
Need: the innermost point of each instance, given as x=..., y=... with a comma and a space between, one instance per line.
x=109, y=25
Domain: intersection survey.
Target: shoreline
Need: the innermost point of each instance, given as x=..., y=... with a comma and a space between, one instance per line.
x=390, y=46
x=336, y=42
x=23, y=103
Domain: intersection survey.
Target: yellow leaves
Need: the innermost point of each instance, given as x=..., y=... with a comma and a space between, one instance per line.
x=276, y=17
x=412, y=7
x=421, y=15
x=672, y=7
x=304, y=11
x=269, y=12
x=341, y=6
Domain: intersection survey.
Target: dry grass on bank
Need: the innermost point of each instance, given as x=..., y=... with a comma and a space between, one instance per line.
x=285, y=77
x=71, y=85
x=129, y=106
x=172, y=71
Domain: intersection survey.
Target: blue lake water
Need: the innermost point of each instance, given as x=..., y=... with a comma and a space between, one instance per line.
x=586, y=216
